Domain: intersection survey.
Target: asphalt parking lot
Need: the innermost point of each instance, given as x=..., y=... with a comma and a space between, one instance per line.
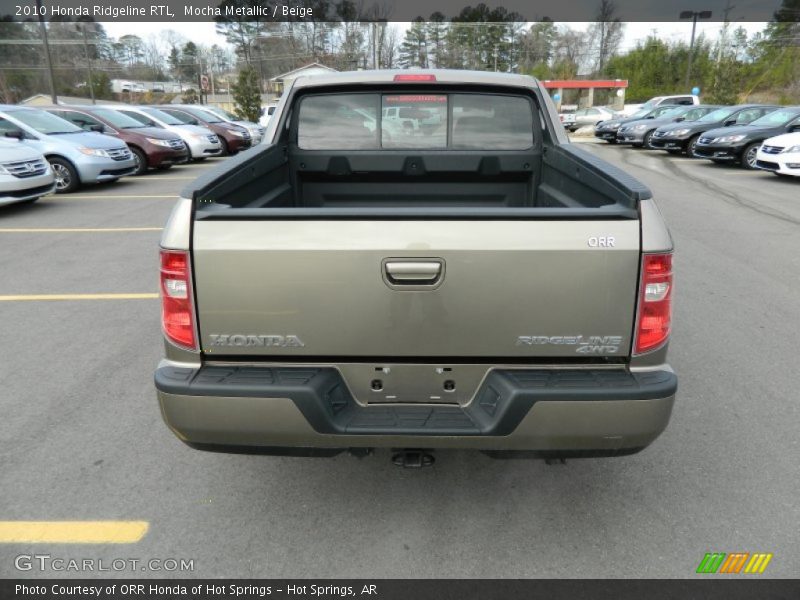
x=81, y=436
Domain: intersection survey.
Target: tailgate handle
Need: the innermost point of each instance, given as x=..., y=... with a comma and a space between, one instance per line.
x=413, y=272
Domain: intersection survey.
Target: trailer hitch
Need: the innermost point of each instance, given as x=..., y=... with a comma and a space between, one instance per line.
x=412, y=458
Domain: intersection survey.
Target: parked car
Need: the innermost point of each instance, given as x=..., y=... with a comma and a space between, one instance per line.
x=781, y=155
x=233, y=138
x=741, y=143
x=266, y=114
x=607, y=130
x=416, y=250
x=152, y=147
x=25, y=175
x=255, y=129
x=639, y=132
x=591, y=116
x=76, y=156
x=679, y=99
x=682, y=137
x=201, y=142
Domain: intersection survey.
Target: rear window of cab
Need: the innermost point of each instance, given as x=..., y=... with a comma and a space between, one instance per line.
x=367, y=121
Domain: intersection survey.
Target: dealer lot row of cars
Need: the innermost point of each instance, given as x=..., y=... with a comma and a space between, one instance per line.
x=753, y=136
x=61, y=148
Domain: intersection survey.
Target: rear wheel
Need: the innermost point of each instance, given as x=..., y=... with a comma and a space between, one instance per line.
x=749, y=156
x=65, y=174
x=224, y=145
x=691, y=147
x=140, y=159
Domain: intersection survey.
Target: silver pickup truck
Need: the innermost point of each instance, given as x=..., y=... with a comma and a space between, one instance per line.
x=472, y=281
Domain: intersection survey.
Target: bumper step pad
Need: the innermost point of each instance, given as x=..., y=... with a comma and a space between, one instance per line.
x=504, y=398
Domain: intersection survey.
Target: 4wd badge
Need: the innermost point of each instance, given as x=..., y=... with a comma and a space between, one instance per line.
x=593, y=344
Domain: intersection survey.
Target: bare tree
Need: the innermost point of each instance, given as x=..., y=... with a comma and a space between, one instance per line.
x=605, y=34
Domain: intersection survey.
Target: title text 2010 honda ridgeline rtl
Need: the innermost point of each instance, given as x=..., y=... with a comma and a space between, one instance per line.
x=416, y=260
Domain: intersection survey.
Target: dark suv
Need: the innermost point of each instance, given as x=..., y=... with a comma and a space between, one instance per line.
x=740, y=144
x=232, y=137
x=152, y=147
x=682, y=137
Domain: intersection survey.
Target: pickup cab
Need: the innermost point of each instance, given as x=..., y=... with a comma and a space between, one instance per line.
x=481, y=284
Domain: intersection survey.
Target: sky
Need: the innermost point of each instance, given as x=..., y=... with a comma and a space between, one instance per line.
x=205, y=32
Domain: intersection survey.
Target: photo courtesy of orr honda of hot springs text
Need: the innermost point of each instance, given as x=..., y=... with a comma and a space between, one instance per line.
x=416, y=261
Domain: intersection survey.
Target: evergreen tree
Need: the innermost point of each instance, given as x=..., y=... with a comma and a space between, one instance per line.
x=247, y=95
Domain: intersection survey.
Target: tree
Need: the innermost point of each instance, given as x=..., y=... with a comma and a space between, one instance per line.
x=101, y=84
x=414, y=49
x=130, y=49
x=606, y=34
x=247, y=95
x=188, y=64
x=190, y=96
x=537, y=45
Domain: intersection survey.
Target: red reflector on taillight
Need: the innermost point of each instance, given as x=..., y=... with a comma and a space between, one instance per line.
x=655, y=302
x=177, y=313
x=415, y=77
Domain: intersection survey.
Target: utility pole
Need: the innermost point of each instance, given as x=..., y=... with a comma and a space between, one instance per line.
x=495, y=57
x=724, y=35
x=374, y=46
x=82, y=29
x=693, y=15
x=39, y=11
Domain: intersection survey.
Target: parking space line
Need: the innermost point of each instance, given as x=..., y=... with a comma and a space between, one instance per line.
x=76, y=229
x=37, y=297
x=72, y=532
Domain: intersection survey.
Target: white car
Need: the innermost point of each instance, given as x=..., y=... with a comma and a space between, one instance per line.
x=780, y=154
x=25, y=175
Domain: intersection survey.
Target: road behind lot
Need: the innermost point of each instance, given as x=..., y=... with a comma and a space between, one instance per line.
x=81, y=436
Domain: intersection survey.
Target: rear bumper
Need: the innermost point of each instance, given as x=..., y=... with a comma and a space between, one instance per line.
x=255, y=409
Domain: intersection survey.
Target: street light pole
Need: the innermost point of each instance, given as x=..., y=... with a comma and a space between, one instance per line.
x=693, y=15
x=82, y=29
x=39, y=11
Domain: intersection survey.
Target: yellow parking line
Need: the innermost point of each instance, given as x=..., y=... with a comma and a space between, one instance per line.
x=28, y=297
x=72, y=532
x=75, y=229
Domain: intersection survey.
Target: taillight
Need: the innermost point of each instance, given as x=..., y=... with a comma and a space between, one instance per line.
x=177, y=314
x=655, y=302
x=415, y=77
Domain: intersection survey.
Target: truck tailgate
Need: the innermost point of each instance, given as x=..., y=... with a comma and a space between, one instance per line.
x=461, y=288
